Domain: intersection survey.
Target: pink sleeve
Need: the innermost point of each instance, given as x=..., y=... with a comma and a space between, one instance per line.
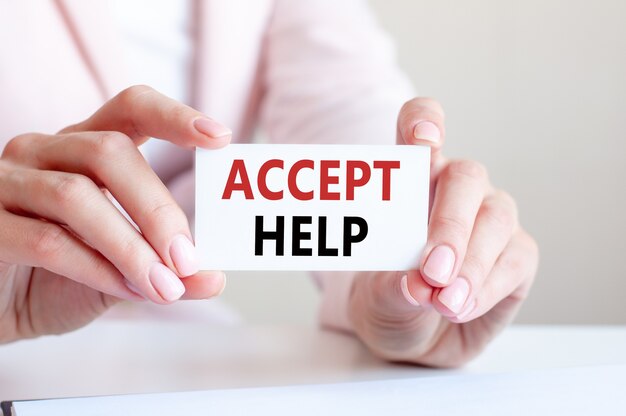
x=330, y=77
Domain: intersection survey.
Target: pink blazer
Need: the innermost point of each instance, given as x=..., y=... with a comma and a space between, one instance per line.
x=315, y=71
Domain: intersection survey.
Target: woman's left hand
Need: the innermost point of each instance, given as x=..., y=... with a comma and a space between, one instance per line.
x=477, y=267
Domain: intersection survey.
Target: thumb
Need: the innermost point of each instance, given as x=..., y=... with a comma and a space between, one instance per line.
x=421, y=121
x=391, y=312
x=399, y=292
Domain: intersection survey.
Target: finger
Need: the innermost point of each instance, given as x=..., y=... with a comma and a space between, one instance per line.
x=36, y=243
x=112, y=160
x=459, y=193
x=421, y=121
x=76, y=201
x=401, y=292
x=509, y=280
x=493, y=228
x=389, y=314
x=395, y=293
x=141, y=112
x=204, y=285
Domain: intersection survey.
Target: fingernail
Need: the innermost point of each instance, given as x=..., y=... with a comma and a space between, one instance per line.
x=404, y=284
x=184, y=256
x=454, y=296
x=439, y=264
x=427, y=130
x=211, y=127
x=467, y=311
x=166, y=282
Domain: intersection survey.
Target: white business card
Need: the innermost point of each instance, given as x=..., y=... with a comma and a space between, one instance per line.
x=311, y=207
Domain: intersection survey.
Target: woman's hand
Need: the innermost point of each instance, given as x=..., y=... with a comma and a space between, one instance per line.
x=476, y=269
x=56, y=216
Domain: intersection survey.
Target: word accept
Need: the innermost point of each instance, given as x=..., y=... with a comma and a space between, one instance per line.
x=311, y=207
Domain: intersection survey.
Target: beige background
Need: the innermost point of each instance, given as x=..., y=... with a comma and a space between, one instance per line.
x=536, y=90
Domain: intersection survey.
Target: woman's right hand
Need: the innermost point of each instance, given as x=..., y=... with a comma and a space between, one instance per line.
x=57, y=218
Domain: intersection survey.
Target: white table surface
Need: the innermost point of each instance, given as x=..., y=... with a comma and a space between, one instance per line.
x=116, y=357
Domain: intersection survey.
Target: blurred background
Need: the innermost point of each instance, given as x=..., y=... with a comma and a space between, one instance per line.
x=535, y=90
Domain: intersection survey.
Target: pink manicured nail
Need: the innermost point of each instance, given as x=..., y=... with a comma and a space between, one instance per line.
x=184, y=256
x=454, y=296
x=404, y=284
x=427, y=130
x=211, y=128
x=439, y=264
x=166, y=282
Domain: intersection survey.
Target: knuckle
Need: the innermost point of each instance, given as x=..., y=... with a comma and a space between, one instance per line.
x=132, y=247
x=523, y=261
x=408, y=106
x=17, y=146
x=467, y=169
x=499, y=213
x=164, y=212
x=454, y=229
x=506, y=198
x=509, y=201
x=68, y=189
x=515, y=263
x=178, y=112
x=474, y=269
x=47, y=242
x=423, y=104
x=431, y=104
x=127, y=99
x=110, y=144
x=130, y=94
